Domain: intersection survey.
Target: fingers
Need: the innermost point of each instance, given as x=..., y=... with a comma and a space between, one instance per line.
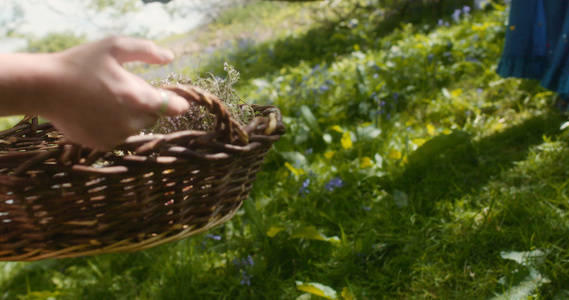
x=143, y=98
x=111, y=103
x=127, y=49
x=171, y=104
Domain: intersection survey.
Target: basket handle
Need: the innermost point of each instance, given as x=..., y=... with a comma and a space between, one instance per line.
x=231, y=131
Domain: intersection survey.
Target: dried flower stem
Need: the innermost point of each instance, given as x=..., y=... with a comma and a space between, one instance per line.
x=197, y=118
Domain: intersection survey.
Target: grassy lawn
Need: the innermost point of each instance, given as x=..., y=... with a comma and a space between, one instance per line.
x=410, y=170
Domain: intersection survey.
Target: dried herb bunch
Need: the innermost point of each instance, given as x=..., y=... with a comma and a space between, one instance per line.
x=197, y=118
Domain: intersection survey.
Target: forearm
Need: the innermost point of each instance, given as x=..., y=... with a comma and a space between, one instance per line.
x=24, y=79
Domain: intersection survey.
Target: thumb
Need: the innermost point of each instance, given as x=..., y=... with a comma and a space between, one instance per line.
x=127, y=49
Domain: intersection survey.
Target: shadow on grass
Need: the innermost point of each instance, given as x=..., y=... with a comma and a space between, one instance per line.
x=427, y=232
x=331, y=39
x=459, y=170
x=101, y=276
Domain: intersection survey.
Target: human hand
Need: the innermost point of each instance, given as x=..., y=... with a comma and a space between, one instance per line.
x=94, y=101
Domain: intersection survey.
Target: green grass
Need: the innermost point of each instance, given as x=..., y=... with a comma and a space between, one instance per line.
x=410, y=170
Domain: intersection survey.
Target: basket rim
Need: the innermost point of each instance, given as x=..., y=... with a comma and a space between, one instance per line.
x=229, y=138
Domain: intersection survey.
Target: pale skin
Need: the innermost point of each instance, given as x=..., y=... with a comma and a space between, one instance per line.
x=85, y=92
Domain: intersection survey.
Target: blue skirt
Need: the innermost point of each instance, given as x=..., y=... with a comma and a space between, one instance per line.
x=537, y=43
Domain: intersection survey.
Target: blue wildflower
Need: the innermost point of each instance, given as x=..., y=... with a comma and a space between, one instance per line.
x=324, y=88
x=244, y=262
x=456, y=15
x=441, y=22
x=466, y=10
x=236, y=262
x=304, y=188
x=395, y=96
x=334, y=183
x=250, y=260
x=245, y=278
x=375, y=76
x=213, y=237
x=480, y=4
x=309, y=151
x=430, y=58
x=202, y=245
x=366, y=208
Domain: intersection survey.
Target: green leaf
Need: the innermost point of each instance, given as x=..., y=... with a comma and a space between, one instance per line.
x=297, y=172
x=527, y=287
x=525, y=282
x=438, y=145
x=525, y=258
x=378, y=160
x=368, y=132
x=9, y=122
x=347, y=294
x=317, y=289
x=274, y=230
x=312, y=233
x=446, y=93
x=309, y=118
x=293, y=157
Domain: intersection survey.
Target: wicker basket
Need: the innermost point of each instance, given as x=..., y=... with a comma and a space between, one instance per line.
x=60, y=200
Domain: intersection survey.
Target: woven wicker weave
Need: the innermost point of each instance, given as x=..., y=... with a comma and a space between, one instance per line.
x=60, y=200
